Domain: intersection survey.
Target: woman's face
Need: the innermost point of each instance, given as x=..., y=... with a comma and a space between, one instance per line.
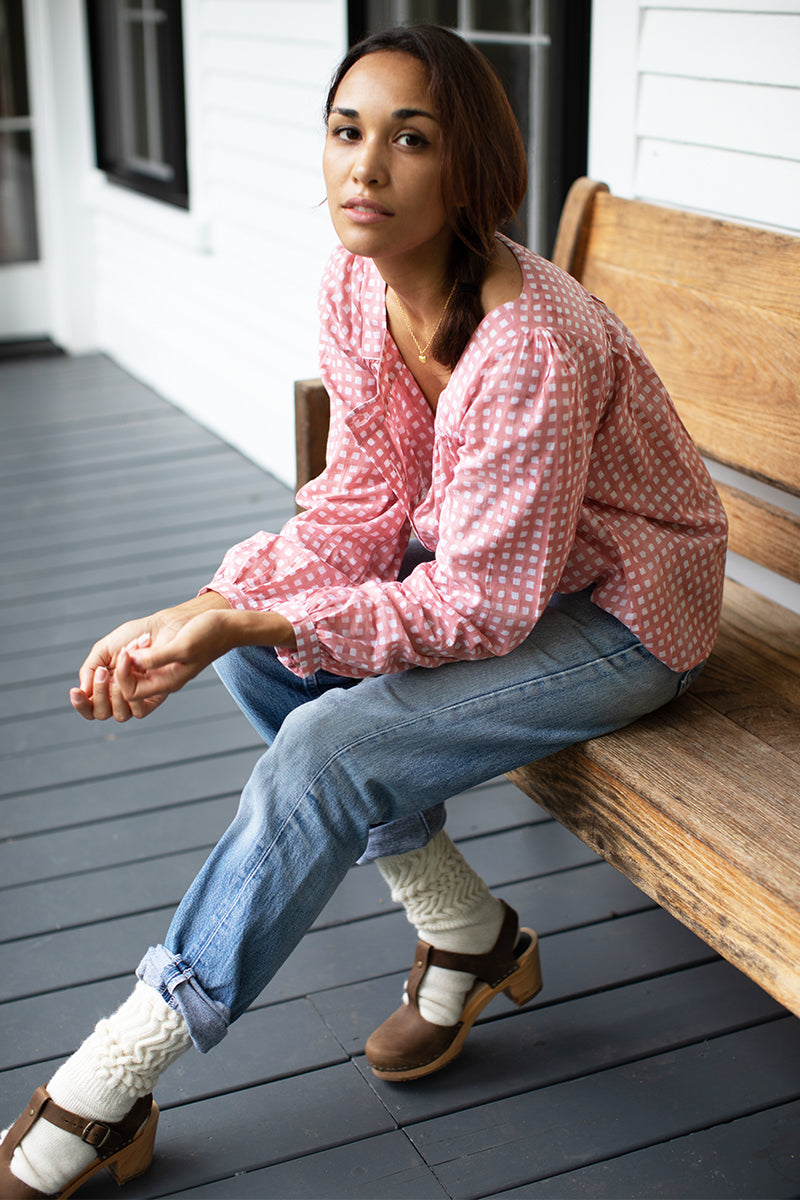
x=382, y=161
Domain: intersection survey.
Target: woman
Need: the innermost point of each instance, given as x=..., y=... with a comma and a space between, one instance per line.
x=569, y=581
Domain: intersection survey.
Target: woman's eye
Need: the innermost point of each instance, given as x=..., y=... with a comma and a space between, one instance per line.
x=414, y=141
x=346, y=133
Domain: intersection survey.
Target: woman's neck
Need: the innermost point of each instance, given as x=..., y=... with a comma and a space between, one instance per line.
x=415, y=309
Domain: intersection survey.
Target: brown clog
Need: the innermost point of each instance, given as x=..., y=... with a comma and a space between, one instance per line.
x=407, y=1047
x=125, y=1147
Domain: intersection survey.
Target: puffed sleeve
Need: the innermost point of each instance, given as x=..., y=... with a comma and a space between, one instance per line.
x=510, y=468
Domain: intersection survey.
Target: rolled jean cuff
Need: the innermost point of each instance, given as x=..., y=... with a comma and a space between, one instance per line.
x=407, y=833
x=207, y=1021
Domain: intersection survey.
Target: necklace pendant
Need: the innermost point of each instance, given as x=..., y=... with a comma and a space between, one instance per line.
x=423, y=358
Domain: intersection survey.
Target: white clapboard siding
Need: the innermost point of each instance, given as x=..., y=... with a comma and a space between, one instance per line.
x=717, y=120
x=256, y=56
x=751, y=118
x=745, y=47
x=223, y=319
x=749, y=6
x=752, y=188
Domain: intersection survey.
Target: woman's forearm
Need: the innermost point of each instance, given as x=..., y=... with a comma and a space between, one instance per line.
x=248, y=627
x=242, y=627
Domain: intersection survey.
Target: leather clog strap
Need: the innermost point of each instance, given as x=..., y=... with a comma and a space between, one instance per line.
x=492, y=967
x=105, y=1137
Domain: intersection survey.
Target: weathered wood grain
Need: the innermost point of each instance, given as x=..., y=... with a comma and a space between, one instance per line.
x=762, y=532
x=716, y=307
x=703, y=817
x=311, y=415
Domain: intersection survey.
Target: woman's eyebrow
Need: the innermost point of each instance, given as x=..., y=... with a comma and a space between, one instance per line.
x=401, y=114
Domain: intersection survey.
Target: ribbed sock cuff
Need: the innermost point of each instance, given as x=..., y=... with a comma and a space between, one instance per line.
x=438, y=888
x=122, y=1059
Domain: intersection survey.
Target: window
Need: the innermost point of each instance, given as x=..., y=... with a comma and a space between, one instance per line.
x=136, y=49
x=18, y=240
x=540, y=50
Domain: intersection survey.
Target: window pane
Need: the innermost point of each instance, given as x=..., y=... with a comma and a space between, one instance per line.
x=443, y=12
x=511, y=16
x=513, y=65
x=383, y=14
x=13, y=73
x=135, y=139
x=17, y=210
x=144, y=79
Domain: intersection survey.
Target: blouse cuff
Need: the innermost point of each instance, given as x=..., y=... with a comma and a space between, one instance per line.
x=306, y=659
x=235, y=596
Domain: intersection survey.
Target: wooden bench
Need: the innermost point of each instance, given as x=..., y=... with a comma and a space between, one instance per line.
x=699, y=803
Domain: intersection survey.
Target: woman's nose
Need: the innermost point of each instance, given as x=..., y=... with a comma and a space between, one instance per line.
x=369, y=166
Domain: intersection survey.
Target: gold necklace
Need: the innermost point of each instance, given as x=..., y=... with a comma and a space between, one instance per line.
x=422, y=352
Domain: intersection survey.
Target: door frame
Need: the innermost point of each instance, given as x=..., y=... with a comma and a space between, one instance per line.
x=60, y=304
x=24, y=286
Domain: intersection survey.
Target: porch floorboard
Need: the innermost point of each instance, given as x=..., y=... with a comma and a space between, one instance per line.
x=647, y=1067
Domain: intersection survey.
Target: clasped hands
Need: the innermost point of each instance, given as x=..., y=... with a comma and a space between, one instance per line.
x=132, y=670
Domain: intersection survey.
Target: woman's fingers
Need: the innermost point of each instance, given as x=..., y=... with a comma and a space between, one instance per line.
x=106, y=700
x=141, y=680
x=81, y=703
x=146, y=671
x=109, y=685
x=101, y=694
x=126, y=677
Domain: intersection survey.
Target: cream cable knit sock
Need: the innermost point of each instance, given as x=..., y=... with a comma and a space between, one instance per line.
x=116, y=1065
x=451, y=908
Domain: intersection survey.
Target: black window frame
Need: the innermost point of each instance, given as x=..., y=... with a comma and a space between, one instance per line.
x=170, y=185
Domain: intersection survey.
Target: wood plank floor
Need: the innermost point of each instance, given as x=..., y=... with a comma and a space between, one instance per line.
x=646, y=1068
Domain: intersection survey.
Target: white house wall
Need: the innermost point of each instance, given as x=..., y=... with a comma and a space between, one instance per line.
x=217, y=308
x=696, y=104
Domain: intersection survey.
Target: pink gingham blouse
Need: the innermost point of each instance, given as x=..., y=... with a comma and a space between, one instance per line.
x=554, y=461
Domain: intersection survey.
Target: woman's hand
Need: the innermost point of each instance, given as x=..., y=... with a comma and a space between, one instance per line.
x=131, y=672
x=149, y=669
x=99, y=694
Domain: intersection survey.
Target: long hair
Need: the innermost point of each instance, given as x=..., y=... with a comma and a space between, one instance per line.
x=484, y=169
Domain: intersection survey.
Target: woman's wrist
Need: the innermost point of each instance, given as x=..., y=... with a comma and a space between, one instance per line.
x=187, y=609
x=235, y=626
x=248, y=627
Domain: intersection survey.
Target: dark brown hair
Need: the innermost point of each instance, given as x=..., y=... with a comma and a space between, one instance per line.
x=484, y=170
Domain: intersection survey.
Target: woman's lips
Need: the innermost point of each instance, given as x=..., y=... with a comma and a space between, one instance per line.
x=365, y=212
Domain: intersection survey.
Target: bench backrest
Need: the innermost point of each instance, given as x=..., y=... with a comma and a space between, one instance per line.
x=716, y=308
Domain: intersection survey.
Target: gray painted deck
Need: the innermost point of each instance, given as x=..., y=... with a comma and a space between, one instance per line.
x=647, y=1067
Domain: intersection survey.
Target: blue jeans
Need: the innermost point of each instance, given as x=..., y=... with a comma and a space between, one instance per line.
x=349, y=756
